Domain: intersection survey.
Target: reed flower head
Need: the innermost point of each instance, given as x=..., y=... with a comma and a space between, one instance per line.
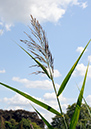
x=39, y=47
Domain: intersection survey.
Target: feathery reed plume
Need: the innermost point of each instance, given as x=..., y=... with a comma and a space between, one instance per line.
x=41, y=49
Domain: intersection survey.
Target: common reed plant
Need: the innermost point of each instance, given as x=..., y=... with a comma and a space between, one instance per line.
x=39, y=51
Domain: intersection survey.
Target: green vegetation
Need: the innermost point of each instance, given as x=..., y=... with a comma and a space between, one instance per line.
x=84, y=121
x=39, y=51
x=20, y=119
x=23, y=124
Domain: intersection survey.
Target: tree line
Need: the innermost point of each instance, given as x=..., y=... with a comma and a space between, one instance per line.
x=20, y=119
x=84, y=121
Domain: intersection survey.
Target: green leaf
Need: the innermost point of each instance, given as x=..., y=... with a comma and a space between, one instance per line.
x=87, y=106
x=45, y=121
x=47, y=107
x=89, y=111
x=63, y=85
x=75, y=116
x=43, y=68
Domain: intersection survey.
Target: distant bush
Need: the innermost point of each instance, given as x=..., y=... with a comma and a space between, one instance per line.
x=23, y=124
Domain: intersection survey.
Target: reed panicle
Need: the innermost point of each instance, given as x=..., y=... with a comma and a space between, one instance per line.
x=39, y=47
x=42, y=56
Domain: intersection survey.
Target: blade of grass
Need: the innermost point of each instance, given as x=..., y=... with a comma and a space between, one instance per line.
x=43, y=68
x=63, y=85
x=87, y=106
x=47, y=107
x=45, y=121
x=89, y=111
x=75, y=116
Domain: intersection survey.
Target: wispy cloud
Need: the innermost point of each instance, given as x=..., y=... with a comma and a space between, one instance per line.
x=88, y=99
x=1, y=23
x=19, y=102
x=89, y=58
x=81, y=69
x=80, y=49
x=8, y=26
x=1, y=28
x=84, y=5
x=55, y=74
x=44, y=84
x=1, y=31
x=52, y=97
x=46, y=10
x=16, y=100
x=2, y=71
x=5, y=26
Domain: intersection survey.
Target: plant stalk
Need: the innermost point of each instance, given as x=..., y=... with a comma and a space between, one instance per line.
x=58, y=102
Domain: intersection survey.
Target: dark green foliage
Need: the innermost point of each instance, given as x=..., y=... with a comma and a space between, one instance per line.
x=58, y=122
x=8, y=125
x=25, y=123
x=2, y=123
x=84, y=121
x=35, y=126
x=12, y=124
x=20, y=119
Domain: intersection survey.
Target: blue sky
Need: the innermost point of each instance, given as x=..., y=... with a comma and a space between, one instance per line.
x=68, y=29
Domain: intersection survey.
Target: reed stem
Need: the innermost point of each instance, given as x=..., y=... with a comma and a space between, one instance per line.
x=59, y=103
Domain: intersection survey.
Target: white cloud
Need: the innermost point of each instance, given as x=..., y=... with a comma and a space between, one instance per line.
x=44, y=84
x=1, y=23
x=52, y=97
x=8, y=26
x=1, y=31
x=80, y=49
x=84, y=5
x=81, y=69
x=89, y=58
x=88, y=99
x=56, y=73
x=5, y=26
x=19, y=102
x=2, y=71
x=46, y=10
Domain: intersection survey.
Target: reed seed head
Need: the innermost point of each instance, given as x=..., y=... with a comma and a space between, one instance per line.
x=39, y=46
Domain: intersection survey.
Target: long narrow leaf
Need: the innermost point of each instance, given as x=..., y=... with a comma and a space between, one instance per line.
x=43, y=68
x=75, y=116
x=87, y=106
x=47, y=107
x=45, y=121
x=89, y=110
x=63, y=85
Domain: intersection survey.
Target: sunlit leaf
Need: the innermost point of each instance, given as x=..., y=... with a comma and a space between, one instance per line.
x=87, y=106
x=47, y=107
x=45, y=121
x=75, y=116
x=63, y=85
